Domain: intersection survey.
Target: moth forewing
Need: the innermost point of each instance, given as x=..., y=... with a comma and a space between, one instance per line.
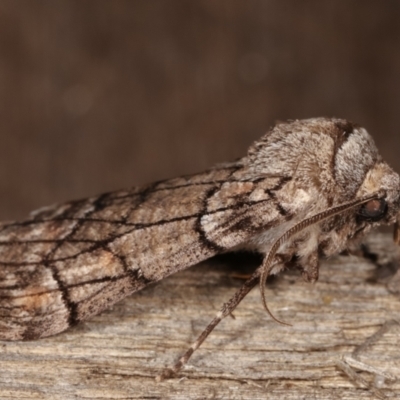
x=306, y=189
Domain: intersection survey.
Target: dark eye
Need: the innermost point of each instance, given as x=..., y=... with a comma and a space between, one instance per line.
x=374, y=210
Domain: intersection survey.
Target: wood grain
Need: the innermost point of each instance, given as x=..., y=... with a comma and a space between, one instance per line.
x=117, y=354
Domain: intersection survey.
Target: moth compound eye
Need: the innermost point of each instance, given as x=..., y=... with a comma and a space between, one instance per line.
x=374, y=210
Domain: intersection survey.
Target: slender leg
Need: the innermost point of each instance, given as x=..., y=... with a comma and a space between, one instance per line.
x=226, y=310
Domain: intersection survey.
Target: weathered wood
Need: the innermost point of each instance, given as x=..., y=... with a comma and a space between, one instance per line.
x=117, y=354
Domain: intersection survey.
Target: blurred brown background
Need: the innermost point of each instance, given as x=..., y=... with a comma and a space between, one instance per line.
x=96, y=95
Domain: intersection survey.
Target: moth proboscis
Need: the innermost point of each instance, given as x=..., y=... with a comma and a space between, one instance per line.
x=307, y=189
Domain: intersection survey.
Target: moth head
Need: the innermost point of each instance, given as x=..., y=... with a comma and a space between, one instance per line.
x=359, y=171
x=386, y=208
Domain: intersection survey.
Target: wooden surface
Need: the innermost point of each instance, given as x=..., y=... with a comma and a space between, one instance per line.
x=117, y=354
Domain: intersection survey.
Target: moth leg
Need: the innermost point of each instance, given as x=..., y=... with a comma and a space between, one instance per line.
x=310, y=267
x=226, y=310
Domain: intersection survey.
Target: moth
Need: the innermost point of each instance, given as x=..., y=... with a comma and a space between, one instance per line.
x=307, y=189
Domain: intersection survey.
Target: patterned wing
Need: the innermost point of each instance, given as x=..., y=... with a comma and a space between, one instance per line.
x=71, y=261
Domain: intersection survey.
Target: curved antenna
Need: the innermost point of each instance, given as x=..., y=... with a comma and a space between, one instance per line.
x=266, y=266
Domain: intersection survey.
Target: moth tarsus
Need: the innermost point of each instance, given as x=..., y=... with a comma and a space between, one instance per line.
x=306, y=189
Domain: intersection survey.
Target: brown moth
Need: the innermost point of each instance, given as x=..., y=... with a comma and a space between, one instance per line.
x=306, y=189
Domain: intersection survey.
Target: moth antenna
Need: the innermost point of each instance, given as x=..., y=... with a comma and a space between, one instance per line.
x=300, y=226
